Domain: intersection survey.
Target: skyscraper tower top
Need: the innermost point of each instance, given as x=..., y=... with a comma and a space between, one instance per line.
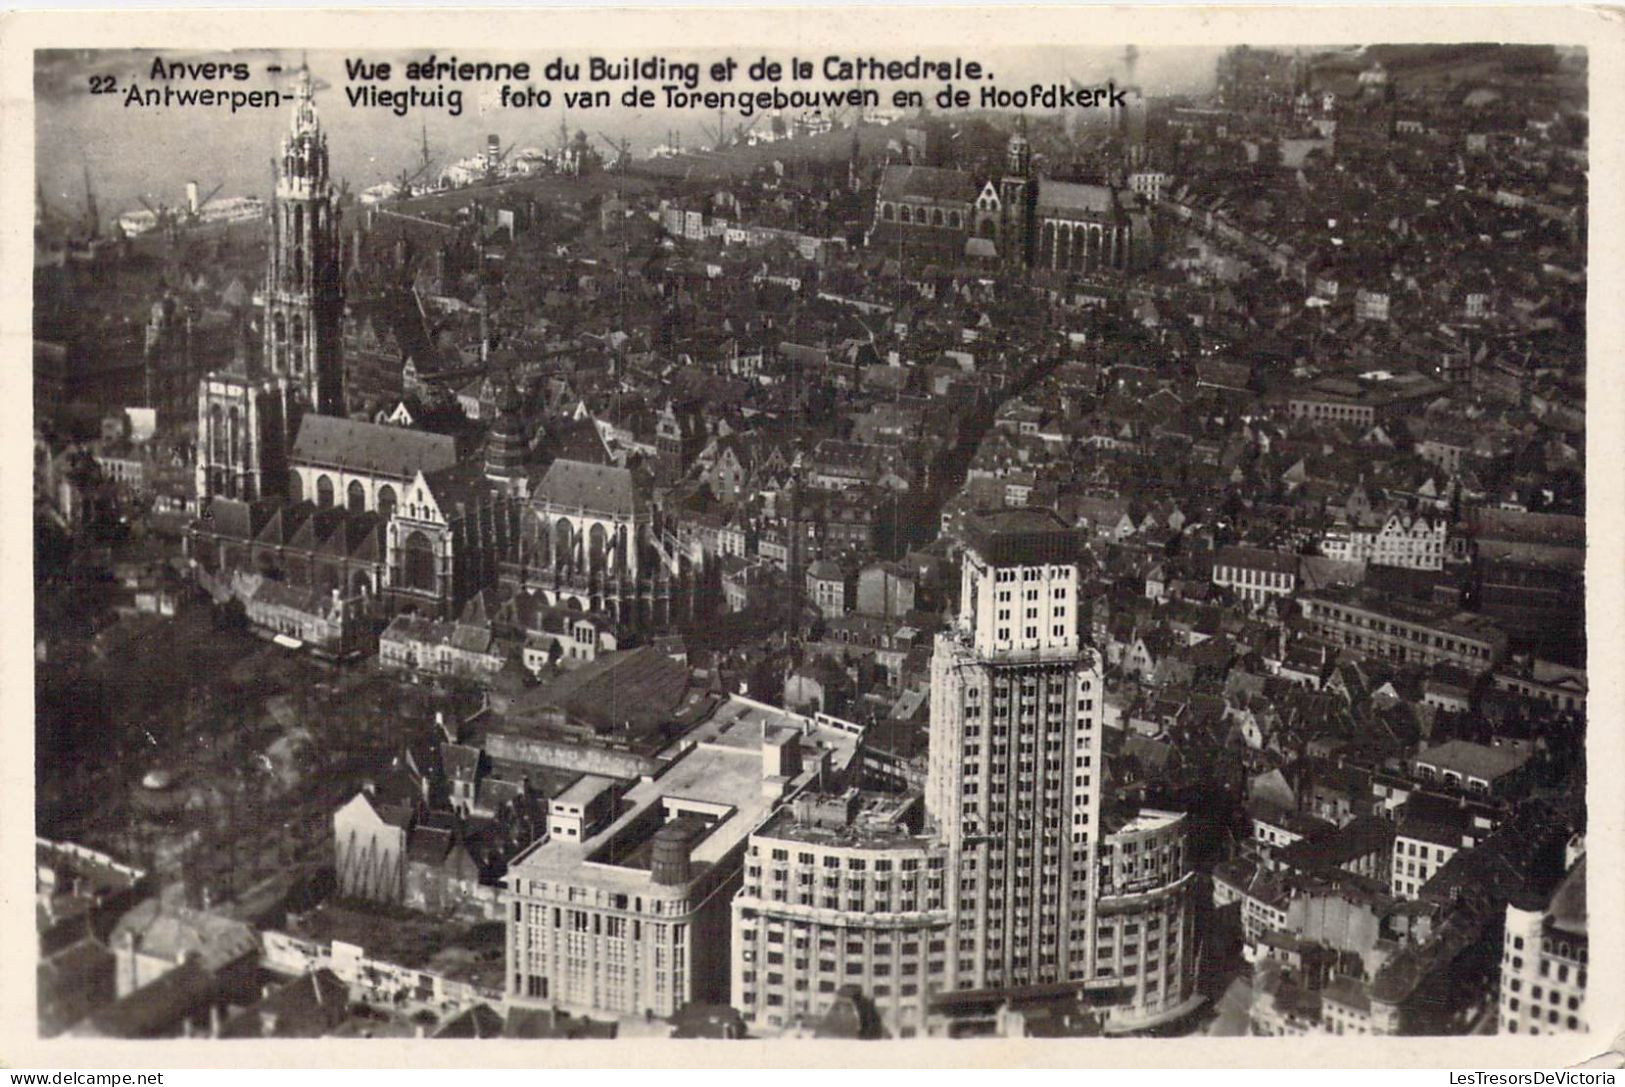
x=1021, y=537
x=1019, y=586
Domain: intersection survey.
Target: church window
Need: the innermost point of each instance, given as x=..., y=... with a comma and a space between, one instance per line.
x=324, y=491
x=356, y=496
x=888, y=212
x=417, y=566
x=563, y=543
x=596, y=539
x=905, y=213
x=386, y=501
x=217, y=433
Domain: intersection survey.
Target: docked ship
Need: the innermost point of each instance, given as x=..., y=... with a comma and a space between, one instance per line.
x=209, y=209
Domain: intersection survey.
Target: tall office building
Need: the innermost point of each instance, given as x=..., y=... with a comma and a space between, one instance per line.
x=1013, y=783
x=1021, y=889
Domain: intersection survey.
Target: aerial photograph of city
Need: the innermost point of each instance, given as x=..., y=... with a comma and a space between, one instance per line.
x=1102, y=557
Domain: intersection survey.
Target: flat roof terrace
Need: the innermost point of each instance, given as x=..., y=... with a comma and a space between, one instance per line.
x=716, y=773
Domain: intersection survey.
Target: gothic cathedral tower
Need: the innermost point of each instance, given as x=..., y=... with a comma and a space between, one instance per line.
x=304, y=299
x=248, y=412
x=1018, y=197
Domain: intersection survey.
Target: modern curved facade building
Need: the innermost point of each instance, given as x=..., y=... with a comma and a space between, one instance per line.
x=1025, y=886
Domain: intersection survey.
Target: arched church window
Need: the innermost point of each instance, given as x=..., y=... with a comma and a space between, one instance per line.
x=905, y=213
x=217, y=434
x=888, y=211
x=355, y=496
x=563, y=543
x=386, y=501
x=417, y=565
x=324, y=491
x=296, y=487
x=596, y=549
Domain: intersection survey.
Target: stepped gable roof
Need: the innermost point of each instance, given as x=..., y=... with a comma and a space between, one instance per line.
x=596, y=488
x=373, y=448
x=927, y=183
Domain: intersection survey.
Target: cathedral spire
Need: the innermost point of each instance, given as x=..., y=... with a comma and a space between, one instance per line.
x=304, y=120
x=304, y=288
x=1019, y=152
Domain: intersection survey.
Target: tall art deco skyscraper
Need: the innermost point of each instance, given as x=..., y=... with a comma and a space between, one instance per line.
x=1015, y=757
x=1024, y=885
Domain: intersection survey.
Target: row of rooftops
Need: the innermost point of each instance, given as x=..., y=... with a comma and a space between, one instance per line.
x=1433, y=615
